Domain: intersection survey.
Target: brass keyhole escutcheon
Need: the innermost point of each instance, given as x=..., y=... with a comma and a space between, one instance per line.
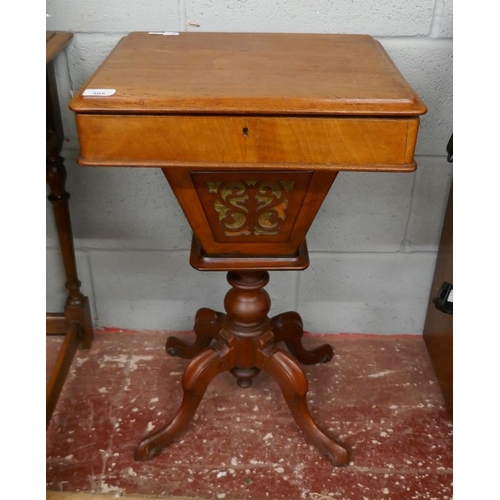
x=245, y=131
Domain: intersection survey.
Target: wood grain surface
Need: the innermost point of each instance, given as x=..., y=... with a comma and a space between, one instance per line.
x=178, y=140
x=250, y=73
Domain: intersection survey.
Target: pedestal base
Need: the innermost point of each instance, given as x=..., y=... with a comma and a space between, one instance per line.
x=245, y=343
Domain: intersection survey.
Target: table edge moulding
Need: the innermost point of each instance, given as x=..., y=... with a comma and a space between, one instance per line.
x=250, y=131
x=76, y=320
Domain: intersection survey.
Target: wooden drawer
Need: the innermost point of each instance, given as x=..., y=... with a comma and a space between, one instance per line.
x=341, y=143
x=331, y=141
x=145, y=140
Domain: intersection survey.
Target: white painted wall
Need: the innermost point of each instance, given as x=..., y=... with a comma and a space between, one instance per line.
x=373, y=245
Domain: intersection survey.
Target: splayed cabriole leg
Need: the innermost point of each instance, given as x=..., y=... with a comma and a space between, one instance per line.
x=207, y=325
x=288, y=327
x=199, y=373
x=293, y=384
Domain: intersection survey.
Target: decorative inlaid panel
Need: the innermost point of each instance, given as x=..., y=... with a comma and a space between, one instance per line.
x=253, y=206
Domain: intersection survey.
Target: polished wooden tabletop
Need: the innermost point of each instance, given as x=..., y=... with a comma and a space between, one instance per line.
x=250, y=73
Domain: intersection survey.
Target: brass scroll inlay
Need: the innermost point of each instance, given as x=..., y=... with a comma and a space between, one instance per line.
x=251, y=207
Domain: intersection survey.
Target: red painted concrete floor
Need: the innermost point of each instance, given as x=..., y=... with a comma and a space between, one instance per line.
x=378, y=394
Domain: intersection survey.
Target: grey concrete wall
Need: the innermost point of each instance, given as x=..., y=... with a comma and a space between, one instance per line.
x=373, y=244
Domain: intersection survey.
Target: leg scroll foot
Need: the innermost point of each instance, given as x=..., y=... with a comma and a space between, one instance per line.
x=197, y=376
x=293, y=384
x=207, y=325
x=288, y=327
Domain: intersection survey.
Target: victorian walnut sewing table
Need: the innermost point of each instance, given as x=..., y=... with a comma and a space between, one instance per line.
x=250, y=131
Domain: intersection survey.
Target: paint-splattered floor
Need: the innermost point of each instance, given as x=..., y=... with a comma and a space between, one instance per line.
x=378, y=394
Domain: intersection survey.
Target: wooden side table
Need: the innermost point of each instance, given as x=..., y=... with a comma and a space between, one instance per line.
x=76, y=321
x=250, y=131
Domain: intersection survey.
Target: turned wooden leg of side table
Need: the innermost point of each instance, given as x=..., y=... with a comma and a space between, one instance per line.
x=246, y=345
x=76, y=321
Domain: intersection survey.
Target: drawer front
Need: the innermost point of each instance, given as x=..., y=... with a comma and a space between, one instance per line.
x=337, y=141
x=341, y=143
x=142, y=139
